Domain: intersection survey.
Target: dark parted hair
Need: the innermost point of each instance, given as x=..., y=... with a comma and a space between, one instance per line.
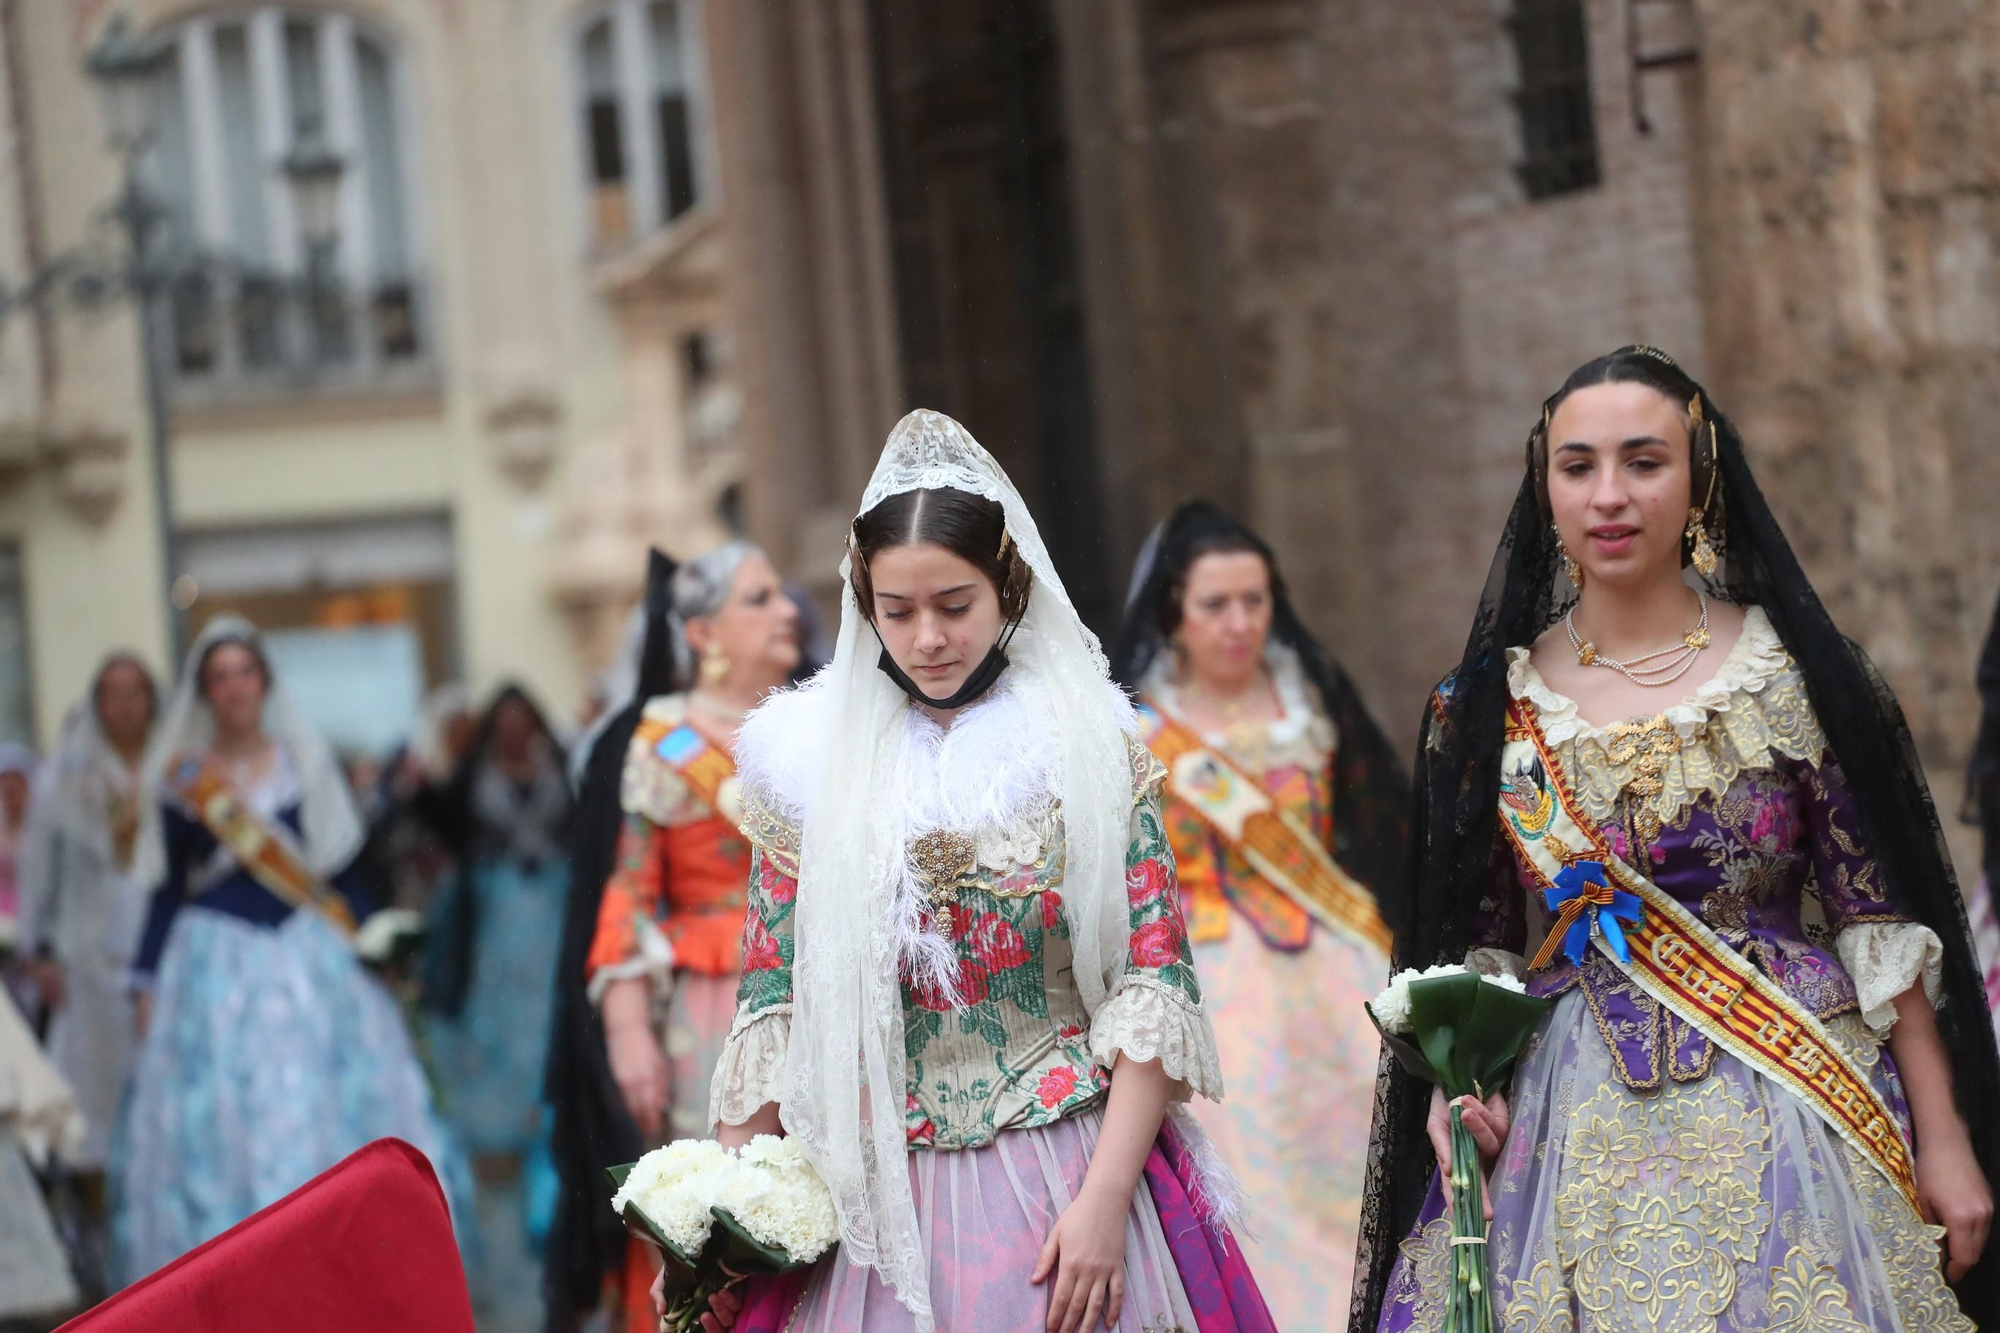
x=1652, y=368
x=971, y=527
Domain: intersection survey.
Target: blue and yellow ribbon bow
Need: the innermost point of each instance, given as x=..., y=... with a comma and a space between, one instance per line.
x=1584, y=901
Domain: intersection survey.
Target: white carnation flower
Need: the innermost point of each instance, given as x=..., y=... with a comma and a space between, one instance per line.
x=675, y=1186
x=779, y=1198
x=1505, y=981
x=768, y=1185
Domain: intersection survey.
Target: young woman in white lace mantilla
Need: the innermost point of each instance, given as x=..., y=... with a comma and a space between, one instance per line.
x=968, y=989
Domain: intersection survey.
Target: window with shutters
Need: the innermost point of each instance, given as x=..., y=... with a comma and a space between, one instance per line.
x=257, y=305
x=1552, y=98
x=639, y=70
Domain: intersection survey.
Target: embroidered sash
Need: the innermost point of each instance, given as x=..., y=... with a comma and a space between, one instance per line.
x=266, y=853
x=1275, y=844
x=707, y=770
x=1674, y=956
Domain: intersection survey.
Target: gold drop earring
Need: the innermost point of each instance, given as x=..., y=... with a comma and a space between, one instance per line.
x=1571, y=569
x=714, y=665
x=1700, y=553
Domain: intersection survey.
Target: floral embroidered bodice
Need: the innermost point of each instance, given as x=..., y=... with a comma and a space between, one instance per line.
x=1730, y=802
x=1015, y=1047
x=1018, y=1050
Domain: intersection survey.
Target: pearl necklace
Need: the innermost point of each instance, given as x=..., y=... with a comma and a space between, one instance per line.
x=1679, y=658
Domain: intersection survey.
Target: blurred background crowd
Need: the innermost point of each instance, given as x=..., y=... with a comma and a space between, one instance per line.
x=404, y=328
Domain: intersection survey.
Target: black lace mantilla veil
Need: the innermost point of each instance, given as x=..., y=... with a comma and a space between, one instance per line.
x=446, y=974
x=1370, y=790
x=591, y=1128
x=1982, y=777
x=1457, y=785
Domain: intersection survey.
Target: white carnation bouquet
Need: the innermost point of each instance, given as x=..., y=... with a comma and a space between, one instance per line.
x=1463, y=1031
x=719, y=1217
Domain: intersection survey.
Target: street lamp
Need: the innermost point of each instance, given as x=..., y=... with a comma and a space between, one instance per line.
x=314, y=170
x=125, y=66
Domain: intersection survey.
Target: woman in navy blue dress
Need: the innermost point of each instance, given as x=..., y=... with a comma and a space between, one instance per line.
x=269, y=1052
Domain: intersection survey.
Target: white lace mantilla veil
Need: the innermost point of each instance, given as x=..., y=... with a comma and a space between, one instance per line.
x=844, y=1080
x=333, y=829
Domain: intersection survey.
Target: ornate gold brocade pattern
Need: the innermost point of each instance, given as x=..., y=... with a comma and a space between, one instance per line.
x=1755, y=707
x=1809, y=1298
x=1661, y=1219
x=1427, y=1273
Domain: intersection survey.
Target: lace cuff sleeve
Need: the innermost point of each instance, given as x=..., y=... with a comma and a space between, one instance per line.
x=1886, y=958
x=750, y=1073
x=1151, y=1020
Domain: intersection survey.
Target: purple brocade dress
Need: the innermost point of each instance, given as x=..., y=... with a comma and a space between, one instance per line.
x=1652, y=1180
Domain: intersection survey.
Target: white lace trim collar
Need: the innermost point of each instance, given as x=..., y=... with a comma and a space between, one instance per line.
x=1757, y=658
x=1304, y=730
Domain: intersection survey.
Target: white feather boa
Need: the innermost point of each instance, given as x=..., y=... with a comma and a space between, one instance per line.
x=993, y=775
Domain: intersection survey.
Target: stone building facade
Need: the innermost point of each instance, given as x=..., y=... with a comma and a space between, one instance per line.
x=1321, y=261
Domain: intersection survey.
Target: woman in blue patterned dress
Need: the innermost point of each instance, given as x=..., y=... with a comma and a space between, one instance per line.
x=269, y=1052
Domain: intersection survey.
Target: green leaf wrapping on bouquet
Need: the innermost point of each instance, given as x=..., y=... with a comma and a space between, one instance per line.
x=682, y=1268
x=1471, y=1032
x=1493, y=1036
x=1407, y=1055
x=740, y=1252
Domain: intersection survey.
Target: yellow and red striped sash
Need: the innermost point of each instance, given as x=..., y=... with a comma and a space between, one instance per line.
x=268, y=856
x=1275, y=844
x=1690, y=969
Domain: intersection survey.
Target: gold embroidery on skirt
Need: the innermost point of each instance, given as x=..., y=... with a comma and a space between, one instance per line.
x=1665, y=1202
x=1541, y=1303
x=1426, y=1275
x=1809, y=1298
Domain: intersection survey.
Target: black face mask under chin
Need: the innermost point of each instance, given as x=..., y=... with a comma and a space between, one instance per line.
x=976, y=684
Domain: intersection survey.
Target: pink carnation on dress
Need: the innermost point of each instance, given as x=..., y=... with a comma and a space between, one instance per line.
x=1051, y=909
x=1145, y=884
x=781, y=887
x=997, y=944
x=760, y=951
x=1157, y=944
x=1055, y=1086
x=972, y=987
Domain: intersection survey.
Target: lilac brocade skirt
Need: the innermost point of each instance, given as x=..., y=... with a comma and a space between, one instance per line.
x=985, y=1213
x=1721, y=1204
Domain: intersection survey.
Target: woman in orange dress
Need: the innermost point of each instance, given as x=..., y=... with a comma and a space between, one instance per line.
x=1285, y=809
x=664, y=963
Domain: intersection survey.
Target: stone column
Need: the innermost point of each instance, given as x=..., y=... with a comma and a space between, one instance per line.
x=1850, y=238
x=810, y=300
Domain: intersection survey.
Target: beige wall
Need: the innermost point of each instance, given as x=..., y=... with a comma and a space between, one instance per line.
x=516, y=315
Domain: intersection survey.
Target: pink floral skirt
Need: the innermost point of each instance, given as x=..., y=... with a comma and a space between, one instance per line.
x=985, y=1214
